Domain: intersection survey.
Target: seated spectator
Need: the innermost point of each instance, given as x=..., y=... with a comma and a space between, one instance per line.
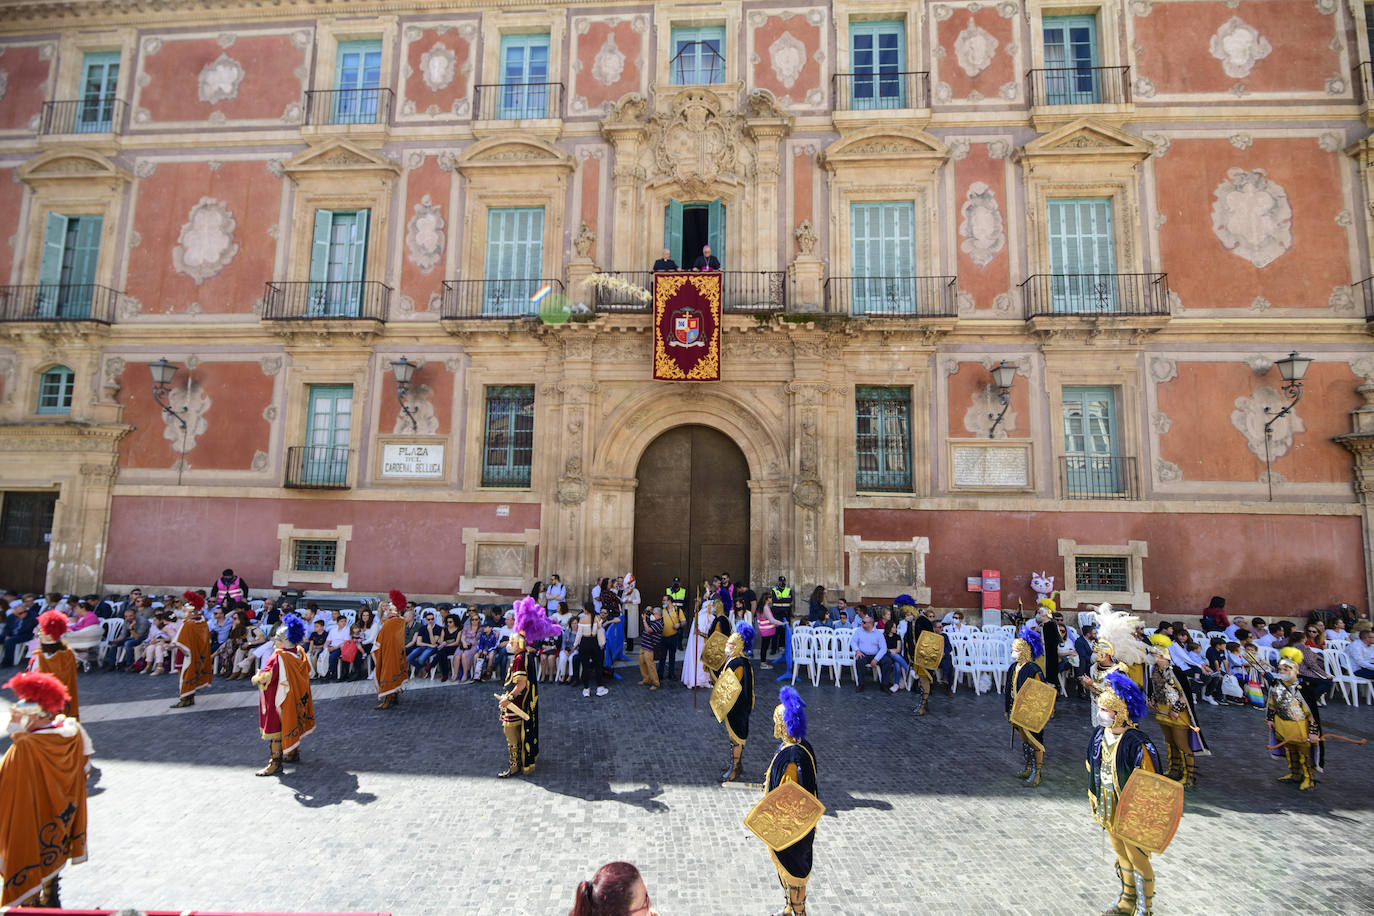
x=1360, y=652
x=446, y=646
x=334, y=643
x=314, y=647
x=1214, y=618
x=18, y=631
x=465, y=659
x=135, y=631
x=420, y=648
x=157, y=645
x=871, y=657
x=1315, y=682
x=252, y=653
x=568, y=664
x=486, y=650
x=220, y=624
x=507, y=630
x=83, y=615
x=893, y=639
x=1268, y=635
x=368, y=625
x=230, y=645
x=1337, y=627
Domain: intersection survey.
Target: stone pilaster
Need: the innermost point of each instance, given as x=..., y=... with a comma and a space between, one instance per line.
x=1360, y=442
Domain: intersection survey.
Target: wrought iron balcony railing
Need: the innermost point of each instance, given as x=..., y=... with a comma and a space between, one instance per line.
x=518, y=101
x=326, y=300
x=742, y=291
x=348, y=106
x=58, y=302
x=1098, y=477
x=91, y=115
x=1091, y=295
x=1080, y=86
x=892, y=297
x=697, y=63
x=1365, y=290
x=508, y=299
x=317, y=467
x=876, y=91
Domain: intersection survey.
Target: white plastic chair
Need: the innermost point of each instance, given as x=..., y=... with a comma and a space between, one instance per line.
x=963, y=662
x=1086, y=618
x=825, y=656
x=803, y=652
x=1347, y=669
x=1007, y=630
x=992, y=628
x=844, y=655
x=111, y=631
x=1335, y=662
x=1198, y=636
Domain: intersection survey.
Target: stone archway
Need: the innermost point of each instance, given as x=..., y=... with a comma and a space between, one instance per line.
x=691, y=510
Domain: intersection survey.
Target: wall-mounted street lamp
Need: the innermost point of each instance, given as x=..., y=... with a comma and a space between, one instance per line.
x=163, y=372
x=404, y=370
x=1292, y=369
x=1003, y=375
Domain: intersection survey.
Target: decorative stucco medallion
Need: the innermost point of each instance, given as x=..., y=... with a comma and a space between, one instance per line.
x=974, y=49
x=190, y=403
x=1253, y=412
x=438, y=66
x=609, y=64
x=206, y=244
x=220, y=79
x=787, y=56
x=1252, y=217
x=420, y=400
x=981, y=228
x=425, y=236
x=1239, y=46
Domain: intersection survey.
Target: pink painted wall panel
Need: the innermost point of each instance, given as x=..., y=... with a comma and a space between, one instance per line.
x=26, y=78
x=608, y=55
x=984, y=37
x=786, y=48
x=269, y=81
x=422, y=268
x=416, y=547
x=251, y=194
x=448, y=77
x=11, y=197
x=229, y=397
x=1264, y=565
x=981, y=194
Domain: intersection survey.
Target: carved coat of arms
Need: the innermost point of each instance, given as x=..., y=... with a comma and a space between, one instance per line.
x=697, y=143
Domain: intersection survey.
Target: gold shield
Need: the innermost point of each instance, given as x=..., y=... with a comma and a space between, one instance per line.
x=784, y=816
x=1033, y=706
x=725, y=693
x=1148, y=811
x=713, y=652
x=930, y=648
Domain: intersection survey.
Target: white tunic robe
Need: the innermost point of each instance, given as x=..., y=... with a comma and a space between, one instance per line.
x=693, y=672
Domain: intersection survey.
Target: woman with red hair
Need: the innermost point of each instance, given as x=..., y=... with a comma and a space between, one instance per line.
x=615, y=890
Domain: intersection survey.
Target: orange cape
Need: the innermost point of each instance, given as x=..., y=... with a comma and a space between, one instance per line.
x=42, y=809
x=289, y=692
x=388, y=653
x=193, y=638
x=61, y=665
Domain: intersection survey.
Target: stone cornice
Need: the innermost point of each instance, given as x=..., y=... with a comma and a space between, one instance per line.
x=37, y=436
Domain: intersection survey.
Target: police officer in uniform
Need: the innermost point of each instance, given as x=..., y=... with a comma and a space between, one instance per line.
x=782, y=600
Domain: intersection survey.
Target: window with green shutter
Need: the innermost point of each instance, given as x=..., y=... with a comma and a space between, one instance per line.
x=515, y=259
x=55, y=389
x=877, y=55
x=338, y=263
x=67, y=271
x=99, y=80
x=883, y=257
x=524, y=76
x=1070, y=60
x=1091, y=461
x=508, y=444
x=1082, y=255
x=882, y=442
x=327, y=435
x=698, y=56
x=357, y=81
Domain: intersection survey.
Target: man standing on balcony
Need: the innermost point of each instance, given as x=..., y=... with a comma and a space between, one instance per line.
x=706, y=261
x=666, y=262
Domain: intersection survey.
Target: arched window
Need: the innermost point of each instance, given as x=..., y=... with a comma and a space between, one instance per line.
x=55, y=391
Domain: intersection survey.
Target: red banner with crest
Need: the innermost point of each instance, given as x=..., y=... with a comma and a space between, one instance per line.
x=687, y=318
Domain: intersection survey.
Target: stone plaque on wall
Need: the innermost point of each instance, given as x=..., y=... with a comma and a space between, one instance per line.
x=425, y=462
x=988, y=467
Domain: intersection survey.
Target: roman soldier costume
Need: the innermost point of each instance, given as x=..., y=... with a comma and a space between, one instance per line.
x=732, y=698
x=388, y=652
x=286, y=708
x=794, y=762
x=1291, y=723
x=1174, y=712
x=42, y=792
x=193, y=639
x=1117, y=748
x=54, y=657
x=519, y=705
x=1025, y=649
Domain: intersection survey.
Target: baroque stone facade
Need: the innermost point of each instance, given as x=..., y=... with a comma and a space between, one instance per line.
x=1143, y=254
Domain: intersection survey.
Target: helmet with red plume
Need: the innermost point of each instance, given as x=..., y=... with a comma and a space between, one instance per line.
x=53, y=624
x=40, y=689
x=398, y=599
x=195, y=599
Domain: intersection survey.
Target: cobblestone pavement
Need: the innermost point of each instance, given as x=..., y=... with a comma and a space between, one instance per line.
x=398, y=812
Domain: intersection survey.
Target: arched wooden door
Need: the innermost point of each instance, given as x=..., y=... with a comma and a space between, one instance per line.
x=691, y=511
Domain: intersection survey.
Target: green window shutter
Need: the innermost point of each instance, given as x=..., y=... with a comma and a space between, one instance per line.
x=1082, y=255
x=357, y=77
x=358, y=255
x=515, y=258
x=715, y=229
x=327, y=435
x=85, y=253
x=883, y=256
x=698, y=56
x=99, y=80
x=1092, y=462
x=672, y=231
x=877, y=58
x=1070, y=44
x=319, y=248
x=508, y=443
x=54, y=245
x=55, y=391
x=524, y=77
